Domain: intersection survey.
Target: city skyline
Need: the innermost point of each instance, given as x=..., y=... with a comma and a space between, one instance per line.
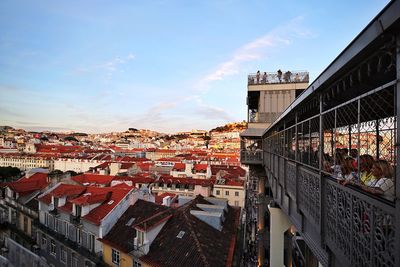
x=164, y=66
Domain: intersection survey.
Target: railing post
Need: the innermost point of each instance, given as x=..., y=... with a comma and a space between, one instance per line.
x=397, y=177
x=296, y=158
x=322, y=180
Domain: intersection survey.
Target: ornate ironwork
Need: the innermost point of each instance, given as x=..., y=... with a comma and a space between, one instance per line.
x=309, y=198
x=291, y=179
x=281, y=170
x=358, y=228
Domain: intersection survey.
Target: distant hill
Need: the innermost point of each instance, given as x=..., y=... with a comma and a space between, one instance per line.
x=231, y=127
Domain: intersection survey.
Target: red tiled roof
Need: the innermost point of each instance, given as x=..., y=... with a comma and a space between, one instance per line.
x=179, y=167
x=169, y=159
x=200, y=167
x=136, y=179
x=23, y=186
x=127, y=165
x=91, y=198
x=93, y=179
x=145, y=166
x=193, y=247
x=140, y=211
x=122, y=185
x=117, y=195
x=67, y=190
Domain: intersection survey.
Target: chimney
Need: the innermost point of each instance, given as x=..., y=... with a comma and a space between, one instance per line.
x=166, y=201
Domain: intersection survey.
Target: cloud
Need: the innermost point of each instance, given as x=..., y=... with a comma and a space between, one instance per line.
x=211, y=112
x=256, y=50
x=109, y=66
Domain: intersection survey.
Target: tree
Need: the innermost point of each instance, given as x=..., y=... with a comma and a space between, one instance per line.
x=9, y=173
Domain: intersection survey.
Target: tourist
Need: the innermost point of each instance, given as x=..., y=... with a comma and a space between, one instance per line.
x=382, y=183
x=279, y=75
x=347, y=170
x=264, y=78
x=258, y=76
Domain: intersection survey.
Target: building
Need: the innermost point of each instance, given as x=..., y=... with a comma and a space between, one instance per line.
x=315, y=219
x=232, y=190
x=80, y=163
x=73, y=217
x=26, y=162
x=161, y=236
x=268, y=95
x=18, y=211
x=117, y=250
x=183, y=186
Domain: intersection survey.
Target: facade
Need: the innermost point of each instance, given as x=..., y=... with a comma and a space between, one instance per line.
x=77, y=164
x=183, y=186
x=269, y=94
x=26, y=162
x=233, y=191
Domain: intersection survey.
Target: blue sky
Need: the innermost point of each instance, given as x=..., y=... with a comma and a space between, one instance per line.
x=101, y=66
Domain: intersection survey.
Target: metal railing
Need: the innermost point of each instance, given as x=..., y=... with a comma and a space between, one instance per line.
x=251, y=157
x=331, y=162
x=275, y=77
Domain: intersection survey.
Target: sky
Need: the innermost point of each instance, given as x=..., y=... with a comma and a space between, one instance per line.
x=169, y=66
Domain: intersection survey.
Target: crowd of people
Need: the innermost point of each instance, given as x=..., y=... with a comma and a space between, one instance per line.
x=375, y=176
x=279, y=77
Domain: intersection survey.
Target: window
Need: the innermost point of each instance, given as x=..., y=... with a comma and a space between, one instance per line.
x=90, y=241
x=53, y=247
x=226, y=193
x=136, y=263
x=236, y=194
x=44, y=242
x=63, y=257
x=66, y=229
x=46, y=219
x=78, y=235
x=140, y=236
x=55, y=225
x=217, y=192
x=74, y=260
x=78, y=210
x=115, y=256
x=25, y=224
x=236, y=203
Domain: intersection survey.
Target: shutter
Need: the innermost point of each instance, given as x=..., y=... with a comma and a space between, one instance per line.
x=51, y=222
x=72, y=233
x=84, y=239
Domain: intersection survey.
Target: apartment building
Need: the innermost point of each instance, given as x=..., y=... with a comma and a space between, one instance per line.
x=73, y=217
x=18, y=211
x=160, y=236
x=26, y=162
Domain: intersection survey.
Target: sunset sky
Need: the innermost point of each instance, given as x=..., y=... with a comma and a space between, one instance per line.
x=100, y=66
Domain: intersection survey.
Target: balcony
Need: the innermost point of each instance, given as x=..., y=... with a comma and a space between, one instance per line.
x=344, y=127
x=251, y=157
x=275, y=78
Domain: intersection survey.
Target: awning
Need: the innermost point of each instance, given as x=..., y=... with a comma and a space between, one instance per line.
x=253, y=132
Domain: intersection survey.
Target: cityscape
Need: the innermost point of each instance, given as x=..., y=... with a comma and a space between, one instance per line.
x=161, y=155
